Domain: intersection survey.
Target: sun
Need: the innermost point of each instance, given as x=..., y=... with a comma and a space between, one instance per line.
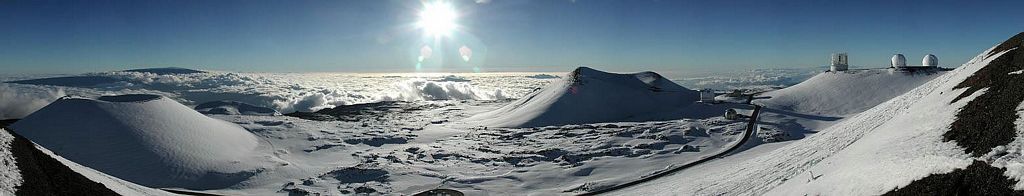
x=437, y=19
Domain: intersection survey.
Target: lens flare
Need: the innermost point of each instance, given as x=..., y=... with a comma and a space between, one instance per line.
x=425, y=53
x=466, y=53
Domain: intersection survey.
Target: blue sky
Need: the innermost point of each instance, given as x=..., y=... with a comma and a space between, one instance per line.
x=504, y=35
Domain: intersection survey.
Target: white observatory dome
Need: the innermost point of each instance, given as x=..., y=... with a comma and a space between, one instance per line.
x=930, y=60
x=898, y=61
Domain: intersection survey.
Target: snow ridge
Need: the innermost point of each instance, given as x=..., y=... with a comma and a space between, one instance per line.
x=10, y=177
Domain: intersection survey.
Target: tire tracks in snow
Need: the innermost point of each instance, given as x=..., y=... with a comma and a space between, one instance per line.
x=746, y=136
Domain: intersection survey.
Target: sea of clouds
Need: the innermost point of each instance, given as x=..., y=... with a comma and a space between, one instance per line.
x=291, y=92
x=19, y=102
x=285, y=92
x=754, y=79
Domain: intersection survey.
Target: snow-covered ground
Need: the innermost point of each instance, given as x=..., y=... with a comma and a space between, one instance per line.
x=405, y=133
x=392, y=155
x=146, y=139
x=28, y=169
x=384, y=147
x=883, y=148
x=845, y=92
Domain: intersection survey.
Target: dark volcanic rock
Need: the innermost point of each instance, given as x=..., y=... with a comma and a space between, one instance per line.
x=347, y=112
x=440, y=192
x=988, y=120
x=362, y=109
x=358, y=174
x=977, y=179
x=312, y=116
x=44, y=175
x=985, y=122
x=8, y=122
x=234, y=108
x=356, y=112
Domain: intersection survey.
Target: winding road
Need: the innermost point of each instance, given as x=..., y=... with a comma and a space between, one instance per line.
x=746, y=136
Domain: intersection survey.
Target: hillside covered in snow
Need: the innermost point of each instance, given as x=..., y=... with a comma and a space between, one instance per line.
x=147, y=139
x=586, y=95
x=958, y=133
x=839, y=93
x=27, y=169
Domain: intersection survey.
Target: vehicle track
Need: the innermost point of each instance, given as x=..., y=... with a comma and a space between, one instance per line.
x=746, y=136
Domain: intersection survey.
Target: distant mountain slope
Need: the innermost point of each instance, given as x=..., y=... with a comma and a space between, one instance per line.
x=146, y=139
x=845, y=92
x=166, y=71
x=589, y=96
x=70, y=81
x=96, y=79
x=912, y=141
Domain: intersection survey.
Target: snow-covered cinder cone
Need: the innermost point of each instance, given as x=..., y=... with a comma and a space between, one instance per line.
x=146, y=139
x=589, y=96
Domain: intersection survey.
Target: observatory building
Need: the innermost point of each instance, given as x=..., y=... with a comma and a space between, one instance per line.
x=930, y=61
x=840, y=62
x=707, y=96
x=898, y=62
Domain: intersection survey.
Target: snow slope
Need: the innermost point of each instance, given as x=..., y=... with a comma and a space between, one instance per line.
x=883, y=148
x=28, y=169
x=166, y=70
x=9, y=174
x=117, y=185
x=845, y=92
x=147, y=139
x=404, y=148
x=590, y=96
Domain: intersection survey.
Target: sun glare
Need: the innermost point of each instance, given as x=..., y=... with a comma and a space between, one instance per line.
x=437, y=19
